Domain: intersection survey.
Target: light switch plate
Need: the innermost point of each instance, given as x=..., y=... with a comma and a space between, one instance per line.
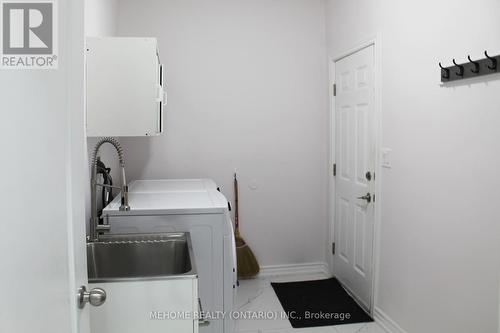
x=386, y=158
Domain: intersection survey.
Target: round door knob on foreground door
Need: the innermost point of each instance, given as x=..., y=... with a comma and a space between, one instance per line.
x=95, y=297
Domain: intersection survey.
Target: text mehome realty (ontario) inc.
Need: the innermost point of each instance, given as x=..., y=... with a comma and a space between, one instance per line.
x=246, y=315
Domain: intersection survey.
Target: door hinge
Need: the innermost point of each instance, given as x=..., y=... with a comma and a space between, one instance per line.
x=333, y=248
x=334, y=89
x=334, y=169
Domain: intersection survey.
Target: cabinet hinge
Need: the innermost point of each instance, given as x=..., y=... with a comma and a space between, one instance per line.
x=334, y=89
x=334, y=169
x=333, y=248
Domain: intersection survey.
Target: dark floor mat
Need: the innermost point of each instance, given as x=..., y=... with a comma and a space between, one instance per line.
x=319, y=303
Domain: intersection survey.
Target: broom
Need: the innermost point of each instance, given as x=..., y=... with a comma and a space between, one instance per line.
x=246, y=262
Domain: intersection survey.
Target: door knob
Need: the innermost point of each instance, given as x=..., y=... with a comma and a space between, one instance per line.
x=367, y=197
x=95, y=297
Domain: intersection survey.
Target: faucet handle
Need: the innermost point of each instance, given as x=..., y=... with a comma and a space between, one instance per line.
x=103, y=227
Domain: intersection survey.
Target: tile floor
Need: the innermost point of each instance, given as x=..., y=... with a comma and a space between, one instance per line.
x=258, y=295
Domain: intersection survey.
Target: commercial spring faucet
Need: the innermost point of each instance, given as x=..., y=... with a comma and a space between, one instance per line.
x=94, y=219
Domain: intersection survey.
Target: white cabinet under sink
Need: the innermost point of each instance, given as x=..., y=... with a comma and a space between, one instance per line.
x=155, y=306
x=124, y=87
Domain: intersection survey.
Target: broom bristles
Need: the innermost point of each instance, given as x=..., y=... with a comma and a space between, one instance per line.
x=247, y=263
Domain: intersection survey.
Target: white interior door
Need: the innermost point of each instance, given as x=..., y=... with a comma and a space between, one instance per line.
x=42, y=248
x=354, y=187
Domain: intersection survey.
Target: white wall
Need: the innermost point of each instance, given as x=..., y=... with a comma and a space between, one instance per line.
x=247, y=90
x=101, y=17
x=440, y=233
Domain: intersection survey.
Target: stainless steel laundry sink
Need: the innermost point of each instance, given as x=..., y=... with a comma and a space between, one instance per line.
x=140, y=257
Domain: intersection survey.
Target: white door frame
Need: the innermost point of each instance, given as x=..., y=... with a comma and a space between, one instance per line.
x=377, y=123
x=76, y=171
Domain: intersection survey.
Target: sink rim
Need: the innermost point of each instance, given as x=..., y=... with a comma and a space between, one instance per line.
x=120, y=238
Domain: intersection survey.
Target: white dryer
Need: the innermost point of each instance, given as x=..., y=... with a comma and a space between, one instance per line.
x=197, y=207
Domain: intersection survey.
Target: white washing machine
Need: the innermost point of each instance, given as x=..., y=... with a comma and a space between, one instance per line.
x=197, y=207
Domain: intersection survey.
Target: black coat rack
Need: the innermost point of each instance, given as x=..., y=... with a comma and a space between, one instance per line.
x=473, y=68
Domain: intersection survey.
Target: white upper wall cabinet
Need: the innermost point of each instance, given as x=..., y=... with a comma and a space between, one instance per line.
x=125, y=95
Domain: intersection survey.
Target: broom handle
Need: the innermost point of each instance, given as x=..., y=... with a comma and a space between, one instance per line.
x=236, y=212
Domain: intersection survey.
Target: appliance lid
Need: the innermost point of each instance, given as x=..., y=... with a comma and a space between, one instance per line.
x=172, y=185
x=179, y=202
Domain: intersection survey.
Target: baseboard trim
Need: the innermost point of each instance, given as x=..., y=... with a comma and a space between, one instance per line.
x=295, y=269
x=386, y=322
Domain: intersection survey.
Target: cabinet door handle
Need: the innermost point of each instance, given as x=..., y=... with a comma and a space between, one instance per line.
x=202, y=321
